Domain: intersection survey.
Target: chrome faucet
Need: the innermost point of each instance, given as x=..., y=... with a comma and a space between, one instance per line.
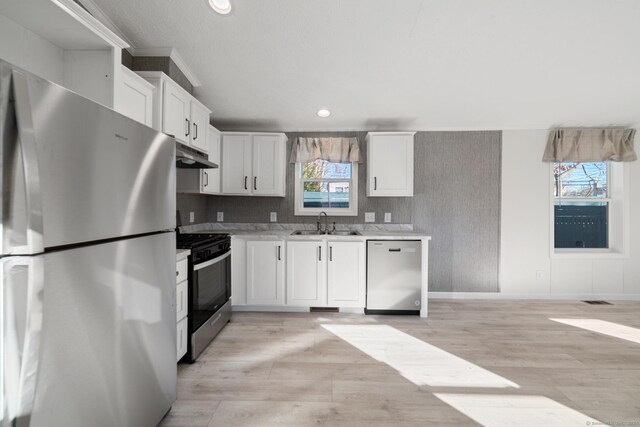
x=326, y=223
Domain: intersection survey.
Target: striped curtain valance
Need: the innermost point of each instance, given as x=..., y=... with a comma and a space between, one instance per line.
x=590, y=145
x=335, y=150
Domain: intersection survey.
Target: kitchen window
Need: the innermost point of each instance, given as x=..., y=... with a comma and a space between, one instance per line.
x=588, y=200
x=322, y=185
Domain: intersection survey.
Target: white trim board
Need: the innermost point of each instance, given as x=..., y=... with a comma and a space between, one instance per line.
x=172, y=53
x=513, y=296
x=97, y=13
x=91, y=22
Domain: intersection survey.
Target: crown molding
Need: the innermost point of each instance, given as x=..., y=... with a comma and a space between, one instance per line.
x=91, y=22
x=172, y=53
x=98, y=14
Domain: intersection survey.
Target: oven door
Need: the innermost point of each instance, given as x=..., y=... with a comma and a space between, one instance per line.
x=210, y=290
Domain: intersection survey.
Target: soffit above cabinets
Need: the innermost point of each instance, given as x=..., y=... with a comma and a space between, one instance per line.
x=62, y=22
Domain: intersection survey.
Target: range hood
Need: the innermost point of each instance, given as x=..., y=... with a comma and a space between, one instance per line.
x=188, y=158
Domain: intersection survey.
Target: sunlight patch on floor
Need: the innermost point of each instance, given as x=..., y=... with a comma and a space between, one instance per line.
x=493, y=410
x=603, y=327
x=419, y=362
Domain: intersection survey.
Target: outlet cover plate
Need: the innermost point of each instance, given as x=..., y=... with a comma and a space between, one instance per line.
x=220, y=216
x=273, y=217
x=192, y=216
x=387, y=217
x=369, y=217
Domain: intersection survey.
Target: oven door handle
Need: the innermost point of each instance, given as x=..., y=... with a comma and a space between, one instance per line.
x=211, y=262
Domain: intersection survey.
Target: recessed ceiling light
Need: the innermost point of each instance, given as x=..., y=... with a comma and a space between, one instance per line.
x=223, y=7
x=323, y=113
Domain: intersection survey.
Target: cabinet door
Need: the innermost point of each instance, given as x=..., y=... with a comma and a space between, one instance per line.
x=199, y=127
x=210, y=178
x=182, y=298
x=175, y=113
x=306, y=274
x=135, y=98
x=268, y=165
x=236, y=163
x=346, y=284
x=181, y=338
x=265, y=273
x=390, y=165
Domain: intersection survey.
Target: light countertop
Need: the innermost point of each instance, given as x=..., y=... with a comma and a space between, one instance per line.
x=286, y=235
x=182, y=254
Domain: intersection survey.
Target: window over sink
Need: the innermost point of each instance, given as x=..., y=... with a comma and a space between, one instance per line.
x=322, y=185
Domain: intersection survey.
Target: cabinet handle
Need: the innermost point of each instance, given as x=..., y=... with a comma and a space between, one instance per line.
x=330, y=253
x=195, y=129
x=206, y=179
x=255, y=182
x=375, y=183
x=245, y=183
x=188, y=127
x=319, y=253
x=177, y=273
x=279, y=253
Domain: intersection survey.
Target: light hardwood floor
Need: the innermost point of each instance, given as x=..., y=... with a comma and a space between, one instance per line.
x=471, y=362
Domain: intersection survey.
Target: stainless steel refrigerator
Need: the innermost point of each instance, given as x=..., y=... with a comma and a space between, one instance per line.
x=88, y=319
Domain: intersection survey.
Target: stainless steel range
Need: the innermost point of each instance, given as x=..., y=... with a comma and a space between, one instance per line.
x=209, y=288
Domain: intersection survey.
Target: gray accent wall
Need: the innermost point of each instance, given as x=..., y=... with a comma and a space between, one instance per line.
x=157, y=63
x=456, y=201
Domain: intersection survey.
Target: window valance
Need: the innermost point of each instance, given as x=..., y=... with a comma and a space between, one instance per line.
x=336, y=150
x=590, y=145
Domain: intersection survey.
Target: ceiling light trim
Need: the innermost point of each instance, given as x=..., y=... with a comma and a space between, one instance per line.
x=172, y=53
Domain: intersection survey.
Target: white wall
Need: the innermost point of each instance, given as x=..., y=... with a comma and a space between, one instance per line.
x=28, y=50
x=526, y=265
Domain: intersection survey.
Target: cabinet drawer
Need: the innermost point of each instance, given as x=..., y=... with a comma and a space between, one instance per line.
x=182, y=296
x=181, y=270
x=181, y=338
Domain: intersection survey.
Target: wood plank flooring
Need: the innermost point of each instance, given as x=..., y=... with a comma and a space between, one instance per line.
x=470, y=363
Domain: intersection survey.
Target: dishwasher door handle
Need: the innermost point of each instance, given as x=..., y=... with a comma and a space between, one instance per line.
x=395, y=250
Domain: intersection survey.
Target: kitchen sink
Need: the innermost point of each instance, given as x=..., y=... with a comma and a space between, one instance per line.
x=320, y=233
x=307, y=233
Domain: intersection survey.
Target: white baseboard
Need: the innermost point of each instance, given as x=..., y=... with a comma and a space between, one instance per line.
x=512, y=296
x=283, y=308
x=352, y=310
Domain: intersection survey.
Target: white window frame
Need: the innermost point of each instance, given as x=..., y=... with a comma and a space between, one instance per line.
x=300, y=210
x=618, y=216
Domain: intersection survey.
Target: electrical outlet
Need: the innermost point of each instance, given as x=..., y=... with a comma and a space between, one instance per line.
x=220, y=216
x=273, y=217
x=369, y=217
x=387, y=217
x=192, y=216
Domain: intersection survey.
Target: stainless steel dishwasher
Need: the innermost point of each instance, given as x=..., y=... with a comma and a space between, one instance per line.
x=394, y=276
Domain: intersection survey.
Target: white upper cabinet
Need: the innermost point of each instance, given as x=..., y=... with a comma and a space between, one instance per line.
x=306, y=273
x=135, y=97
x=390, y=164
x=254, y=164
x=176, y=110
x=236, y=155
x=265, y=272
x=210, y=178
x=346, y=281
x=199, y=125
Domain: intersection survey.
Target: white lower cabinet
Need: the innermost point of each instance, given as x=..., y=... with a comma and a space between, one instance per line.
x=181, y=338
x=306, y=273
x=265, y=272
x=346, y=281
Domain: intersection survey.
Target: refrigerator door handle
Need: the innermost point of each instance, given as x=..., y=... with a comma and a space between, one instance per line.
x=26, y=132
x=22, y=313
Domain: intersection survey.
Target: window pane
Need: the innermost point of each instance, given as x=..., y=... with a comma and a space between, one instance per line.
x=581, y=225
x=326, y=194
x=588, y=179
x=324, y=169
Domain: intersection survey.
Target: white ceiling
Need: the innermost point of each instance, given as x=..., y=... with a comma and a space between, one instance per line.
x=409, y=64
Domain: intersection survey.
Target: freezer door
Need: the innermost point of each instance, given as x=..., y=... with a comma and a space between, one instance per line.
x=100, y=346
x=76, y=171
x=394, y=275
